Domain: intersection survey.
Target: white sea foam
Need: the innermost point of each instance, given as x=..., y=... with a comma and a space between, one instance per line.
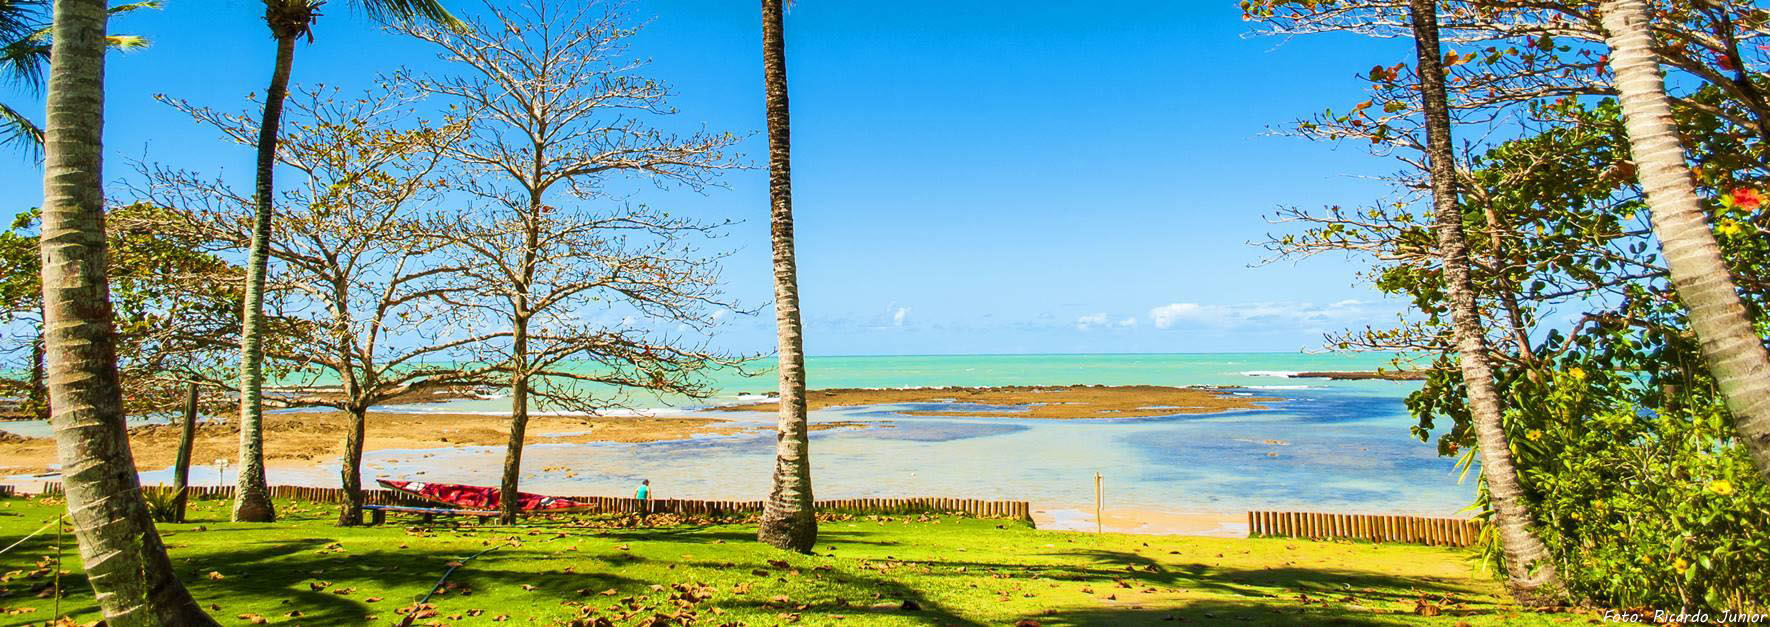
x=1270, y=373
x=661, y=412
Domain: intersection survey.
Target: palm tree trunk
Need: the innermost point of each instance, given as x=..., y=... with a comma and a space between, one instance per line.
x=519, y=424
x=1730, y=346
x=350, y=471
x=252, y=498
x=124, y=558
x=1530, y=572
x=789, y=519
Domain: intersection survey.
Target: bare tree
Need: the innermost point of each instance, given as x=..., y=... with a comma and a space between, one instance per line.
x=351, y=255
x=555, y=112
x=1508, y=53
x=289, y=21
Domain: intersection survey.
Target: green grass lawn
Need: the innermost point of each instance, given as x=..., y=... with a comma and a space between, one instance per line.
x=902, y=570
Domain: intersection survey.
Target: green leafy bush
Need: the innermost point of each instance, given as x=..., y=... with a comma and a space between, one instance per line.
x=1644, y=509
x=162, y=505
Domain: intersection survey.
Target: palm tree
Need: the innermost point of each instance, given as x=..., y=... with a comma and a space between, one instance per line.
x=24, y=50
x=289, y=20
x=1730, y=346
x=789, y=519
x=1530, y=573
x=125, y=561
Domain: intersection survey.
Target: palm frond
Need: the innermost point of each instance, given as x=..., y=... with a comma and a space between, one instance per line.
x=394, y=10
x=24, y=55
x=22, y=61
x=131, y=42
x=20, y=18
x=21, y=21
x=126, y=42
x=136, y=6
x=18, y=130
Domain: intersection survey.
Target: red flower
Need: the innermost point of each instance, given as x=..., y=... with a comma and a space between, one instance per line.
x=1747, y=198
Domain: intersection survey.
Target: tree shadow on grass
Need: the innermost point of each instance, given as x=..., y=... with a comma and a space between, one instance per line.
x=1213, y=613
x=279, y=570
x=1249, y=581
x=302, y=575
x=24, y=583
x=830, y=595
x=1292, y=595
x=720, y=534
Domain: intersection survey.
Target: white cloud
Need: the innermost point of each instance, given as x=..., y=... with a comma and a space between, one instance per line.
x=1101, y=320
x=1311, y=315
x=898, y=316
x=1168, y=315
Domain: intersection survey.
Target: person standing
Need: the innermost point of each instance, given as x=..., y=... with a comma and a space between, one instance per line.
x=644, y=494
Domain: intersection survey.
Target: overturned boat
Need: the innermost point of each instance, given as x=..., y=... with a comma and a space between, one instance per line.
x=482, y=497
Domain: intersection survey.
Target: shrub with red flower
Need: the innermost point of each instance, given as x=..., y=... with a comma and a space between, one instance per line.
x=1746, y=198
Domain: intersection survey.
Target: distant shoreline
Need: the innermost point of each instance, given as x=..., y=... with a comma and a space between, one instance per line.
x=1050, y=402
x=1364, y=375
x=309, y=437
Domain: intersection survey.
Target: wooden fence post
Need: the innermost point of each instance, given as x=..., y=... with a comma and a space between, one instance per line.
x=1099, y=504
x=181, y=466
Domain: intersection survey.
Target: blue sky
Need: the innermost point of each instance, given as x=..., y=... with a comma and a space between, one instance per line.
x=978, y=177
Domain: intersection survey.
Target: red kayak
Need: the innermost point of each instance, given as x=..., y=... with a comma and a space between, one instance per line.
x=480, y=497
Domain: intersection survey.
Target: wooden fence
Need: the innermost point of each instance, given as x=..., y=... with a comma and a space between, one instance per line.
x=1017, y=510
x=7, y=490
x=1374, y=528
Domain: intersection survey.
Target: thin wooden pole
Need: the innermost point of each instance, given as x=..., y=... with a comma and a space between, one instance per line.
x=1099, y=504
x=187, y=439
x=59, y=519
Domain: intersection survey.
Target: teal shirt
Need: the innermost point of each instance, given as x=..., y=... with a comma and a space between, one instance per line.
x=644, y=492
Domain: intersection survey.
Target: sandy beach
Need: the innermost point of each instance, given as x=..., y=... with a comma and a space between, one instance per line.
x=1173, y=465
x=296, y=439
x=307, y=438
x=1081, y=518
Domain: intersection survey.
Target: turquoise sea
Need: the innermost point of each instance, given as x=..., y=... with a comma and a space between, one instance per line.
x=1259, y=370
x=1333, y=446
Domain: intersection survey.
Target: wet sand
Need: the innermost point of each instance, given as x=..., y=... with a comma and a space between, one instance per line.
x=1077, y=402
x=300, y=438
x=1081, y=518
